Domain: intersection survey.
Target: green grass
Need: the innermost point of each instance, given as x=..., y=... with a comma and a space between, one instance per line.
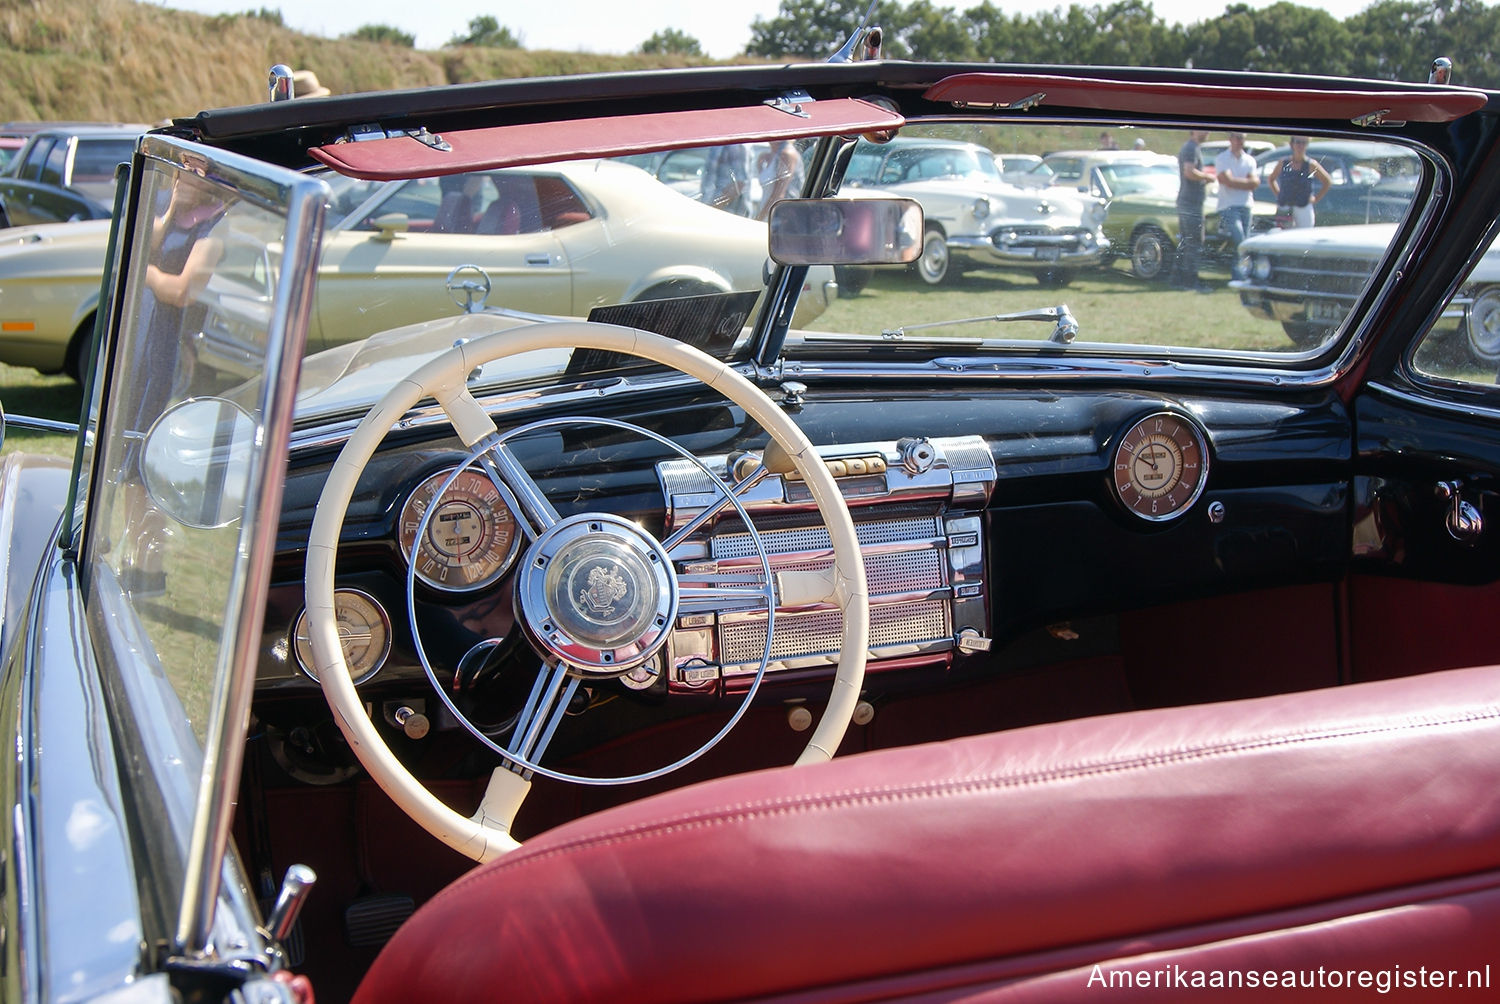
x=24, y=391
x=1110, y=305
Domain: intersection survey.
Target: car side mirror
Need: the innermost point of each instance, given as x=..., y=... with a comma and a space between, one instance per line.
x=846, y=231
x=195, y=462
x=390, y=225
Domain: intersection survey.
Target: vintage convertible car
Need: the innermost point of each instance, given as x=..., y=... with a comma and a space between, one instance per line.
x=1119, y=644
x=974, y=217
x=547, y=232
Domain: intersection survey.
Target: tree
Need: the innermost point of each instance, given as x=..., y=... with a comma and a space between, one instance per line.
x=671, y=41
x=485, y=31
x=816, y=29
x=384, y=34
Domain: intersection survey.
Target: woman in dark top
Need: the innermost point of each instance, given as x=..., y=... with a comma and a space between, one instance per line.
x=1292, y=180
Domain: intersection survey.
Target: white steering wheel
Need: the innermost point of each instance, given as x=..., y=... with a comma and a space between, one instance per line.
x=573, y=642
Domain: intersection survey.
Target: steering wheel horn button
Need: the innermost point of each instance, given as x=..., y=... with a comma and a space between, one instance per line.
x=598, y=594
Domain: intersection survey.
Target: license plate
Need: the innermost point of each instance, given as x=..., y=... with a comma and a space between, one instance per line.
x=1047, y=254
x=1330, y=311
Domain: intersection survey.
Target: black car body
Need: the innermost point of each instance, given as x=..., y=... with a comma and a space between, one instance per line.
x=1113, y=640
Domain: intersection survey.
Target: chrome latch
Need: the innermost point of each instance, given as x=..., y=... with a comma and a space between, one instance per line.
x=1464, y=522
x=793, y=394
x=791, y=102
x=367, y=131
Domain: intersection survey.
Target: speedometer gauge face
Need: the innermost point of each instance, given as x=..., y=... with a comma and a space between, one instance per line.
x=1160, y=466
x=471, y=538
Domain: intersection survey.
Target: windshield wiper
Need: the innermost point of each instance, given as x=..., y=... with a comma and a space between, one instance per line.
x=1063, y=333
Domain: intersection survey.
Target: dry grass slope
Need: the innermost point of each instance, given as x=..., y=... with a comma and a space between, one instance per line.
x=127, y=61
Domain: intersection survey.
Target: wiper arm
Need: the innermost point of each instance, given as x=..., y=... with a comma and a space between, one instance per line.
x=1063, y=333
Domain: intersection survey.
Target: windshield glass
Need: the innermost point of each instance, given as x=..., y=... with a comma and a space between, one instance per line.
x=1222, y=266
x=675, y=243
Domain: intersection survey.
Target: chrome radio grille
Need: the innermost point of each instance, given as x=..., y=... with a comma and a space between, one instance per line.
x=814, y=635
x=916, y=506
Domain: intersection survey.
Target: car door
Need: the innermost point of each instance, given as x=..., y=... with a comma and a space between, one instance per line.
x=1426, y=492
x=388, y=266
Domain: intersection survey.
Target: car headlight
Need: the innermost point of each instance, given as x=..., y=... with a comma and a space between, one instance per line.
x=1260, y=268
x=981, y=208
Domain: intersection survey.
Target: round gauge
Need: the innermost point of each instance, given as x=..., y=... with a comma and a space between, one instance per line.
x=471, y=539
x=1161, y=466
x=364, y=635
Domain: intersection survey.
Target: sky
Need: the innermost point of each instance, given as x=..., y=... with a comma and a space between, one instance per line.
x=615, y=26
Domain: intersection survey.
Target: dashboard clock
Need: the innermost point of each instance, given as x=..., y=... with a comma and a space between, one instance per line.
x=1160, y=466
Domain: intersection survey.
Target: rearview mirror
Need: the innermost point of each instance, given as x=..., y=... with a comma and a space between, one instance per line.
x=846, y=231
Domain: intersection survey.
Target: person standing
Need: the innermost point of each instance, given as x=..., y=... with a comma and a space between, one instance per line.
x=726, y=179
x=1235, y=171
x=781, y=175
x=1292, y=180
x=1193, y=182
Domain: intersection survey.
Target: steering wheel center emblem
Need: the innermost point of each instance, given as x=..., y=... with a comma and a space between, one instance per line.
x=606, y=586
x=597, y=593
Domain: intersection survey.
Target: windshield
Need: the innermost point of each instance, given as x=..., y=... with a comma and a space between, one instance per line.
x=676, y=243
x=1215, y=269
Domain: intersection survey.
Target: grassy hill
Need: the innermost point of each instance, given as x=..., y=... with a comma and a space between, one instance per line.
x=127, y=61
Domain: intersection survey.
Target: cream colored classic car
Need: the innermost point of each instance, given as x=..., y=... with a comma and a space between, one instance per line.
x=553, y=237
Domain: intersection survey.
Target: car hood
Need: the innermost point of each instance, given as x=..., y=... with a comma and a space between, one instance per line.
x=1365, y=239
x=350, y=377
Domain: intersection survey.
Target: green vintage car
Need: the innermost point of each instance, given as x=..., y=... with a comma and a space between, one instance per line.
x=1142, y=220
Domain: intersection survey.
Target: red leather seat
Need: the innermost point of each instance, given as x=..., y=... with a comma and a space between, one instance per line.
x=1350, y=829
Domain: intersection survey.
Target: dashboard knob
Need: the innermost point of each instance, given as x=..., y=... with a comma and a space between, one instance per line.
x=917, y=455
x=413, y=723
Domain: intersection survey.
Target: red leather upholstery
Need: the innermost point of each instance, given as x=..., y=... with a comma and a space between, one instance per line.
x=1346, y=828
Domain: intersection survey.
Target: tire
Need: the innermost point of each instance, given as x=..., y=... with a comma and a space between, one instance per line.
x=934, y=265
x=73, y=357
x=1151, y=254
x=1054, y=278
x=1305, y=335
x=852, y=279
x=1482, y=325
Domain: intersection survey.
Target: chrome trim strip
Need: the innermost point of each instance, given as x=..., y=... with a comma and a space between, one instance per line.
x=1459, y=409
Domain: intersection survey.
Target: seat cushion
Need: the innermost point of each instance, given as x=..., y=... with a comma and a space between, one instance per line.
x=1005, y=862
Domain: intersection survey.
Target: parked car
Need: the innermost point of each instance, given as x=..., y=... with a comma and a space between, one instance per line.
x=1116, y=644
x=682, y=171
x=1372, y=182
x=1074, y=168
x=1310, y=279
x=973, y=216
x=64, y=173
x=1142, y=218
x=549, y=230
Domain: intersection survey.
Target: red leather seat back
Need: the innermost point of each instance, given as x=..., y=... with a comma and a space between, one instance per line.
x=1348, y=828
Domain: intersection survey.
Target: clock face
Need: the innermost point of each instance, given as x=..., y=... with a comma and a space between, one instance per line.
x=1160, y=466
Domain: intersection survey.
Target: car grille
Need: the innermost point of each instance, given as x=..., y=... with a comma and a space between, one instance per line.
x=1006, y=238
x=1334, y=277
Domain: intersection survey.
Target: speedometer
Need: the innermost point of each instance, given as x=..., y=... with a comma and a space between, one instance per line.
x=471, y=539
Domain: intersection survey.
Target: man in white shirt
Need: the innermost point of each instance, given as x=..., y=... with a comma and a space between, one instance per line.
x=1235, y=171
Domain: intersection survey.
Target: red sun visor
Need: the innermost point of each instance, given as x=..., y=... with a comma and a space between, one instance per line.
x=403, y=156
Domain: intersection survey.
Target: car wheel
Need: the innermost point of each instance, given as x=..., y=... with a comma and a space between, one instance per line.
x=674, y=288
x=1305, y=335
x=1150, y=254
x=1482, y=325
x=73, y=357
x=934, y=263
x=1054, y=278
x=852, y=279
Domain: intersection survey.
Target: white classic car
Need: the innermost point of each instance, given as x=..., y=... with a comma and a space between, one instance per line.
x=976, y=217
x=548, y=233
x=1309, y=280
